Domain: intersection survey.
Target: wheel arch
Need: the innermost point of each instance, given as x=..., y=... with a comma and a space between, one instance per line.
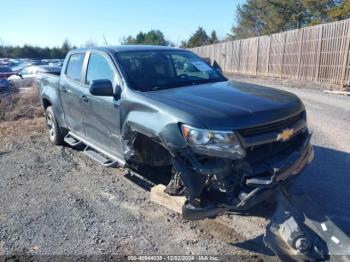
x=59, y=115
x=149, y=150
x=45, y=102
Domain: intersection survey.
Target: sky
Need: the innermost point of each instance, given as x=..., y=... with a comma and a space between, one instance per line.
x=49, y=23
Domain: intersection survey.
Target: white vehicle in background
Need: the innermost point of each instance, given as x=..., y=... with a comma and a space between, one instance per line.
x=26, y=63
x=28, y=75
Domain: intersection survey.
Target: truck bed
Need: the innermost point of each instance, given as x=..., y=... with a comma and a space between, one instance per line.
x=48, y=79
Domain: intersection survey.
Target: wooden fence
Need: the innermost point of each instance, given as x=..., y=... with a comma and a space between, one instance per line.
x=317, y=53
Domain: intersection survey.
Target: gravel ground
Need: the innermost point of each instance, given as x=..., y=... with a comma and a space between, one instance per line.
x=56, y=201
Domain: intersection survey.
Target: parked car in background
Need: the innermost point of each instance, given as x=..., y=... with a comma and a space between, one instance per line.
x=27, y=76
x=5, y=72
x=55, y=62
x=14, y=62
x=28, y=63
x=60, y=64
x=10, y=62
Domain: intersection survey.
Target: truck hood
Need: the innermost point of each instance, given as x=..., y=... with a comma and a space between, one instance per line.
x=228, y=105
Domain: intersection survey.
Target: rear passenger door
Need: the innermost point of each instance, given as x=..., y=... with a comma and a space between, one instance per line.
x=73, y=93
x=102, y=125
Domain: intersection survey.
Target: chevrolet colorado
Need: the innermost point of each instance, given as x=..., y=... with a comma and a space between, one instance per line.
x=229, y=144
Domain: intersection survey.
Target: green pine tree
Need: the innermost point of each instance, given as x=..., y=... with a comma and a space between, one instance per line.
x=340, y=11
x=260, y=17
x=199, y=38
x=213, y=38
x=153, y=37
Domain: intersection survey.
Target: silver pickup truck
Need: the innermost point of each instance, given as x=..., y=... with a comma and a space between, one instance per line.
x=228, y=145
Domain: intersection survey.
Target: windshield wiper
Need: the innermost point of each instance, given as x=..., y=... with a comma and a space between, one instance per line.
x=185, y=83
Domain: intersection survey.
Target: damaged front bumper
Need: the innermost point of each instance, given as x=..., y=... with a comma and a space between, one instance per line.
x=241, y=185
x=299, y=231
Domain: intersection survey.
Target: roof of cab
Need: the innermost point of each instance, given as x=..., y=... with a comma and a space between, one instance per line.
x=122, y=48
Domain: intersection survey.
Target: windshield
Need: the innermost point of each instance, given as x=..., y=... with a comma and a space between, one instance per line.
x=155, y=70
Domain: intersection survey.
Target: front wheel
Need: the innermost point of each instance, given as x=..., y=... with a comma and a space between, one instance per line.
x=56, y=136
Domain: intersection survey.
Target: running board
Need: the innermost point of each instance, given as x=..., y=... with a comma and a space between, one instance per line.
x=99, y=157
x=72, y=141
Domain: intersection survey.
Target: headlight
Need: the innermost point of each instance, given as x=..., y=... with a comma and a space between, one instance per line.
x=215, y=143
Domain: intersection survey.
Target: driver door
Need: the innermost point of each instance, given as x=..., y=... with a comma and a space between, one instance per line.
x=102, y=123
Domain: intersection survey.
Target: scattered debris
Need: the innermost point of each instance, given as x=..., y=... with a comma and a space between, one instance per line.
x=173, y=203
x=345, y=93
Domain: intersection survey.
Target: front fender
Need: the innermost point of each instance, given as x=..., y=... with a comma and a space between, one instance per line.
x=155, y=125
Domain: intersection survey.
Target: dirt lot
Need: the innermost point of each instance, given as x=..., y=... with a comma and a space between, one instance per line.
x=56, y=201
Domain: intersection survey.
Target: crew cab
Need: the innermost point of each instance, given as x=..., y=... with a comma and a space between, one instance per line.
x=229, y=144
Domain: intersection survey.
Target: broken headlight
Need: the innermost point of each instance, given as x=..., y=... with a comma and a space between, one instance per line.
x=214, y=143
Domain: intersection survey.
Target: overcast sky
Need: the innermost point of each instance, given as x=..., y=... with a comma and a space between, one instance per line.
x=48, y=23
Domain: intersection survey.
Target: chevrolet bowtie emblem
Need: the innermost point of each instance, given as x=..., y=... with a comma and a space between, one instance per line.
x=285, y=135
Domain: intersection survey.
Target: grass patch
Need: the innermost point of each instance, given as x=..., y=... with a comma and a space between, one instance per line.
x=18, y=106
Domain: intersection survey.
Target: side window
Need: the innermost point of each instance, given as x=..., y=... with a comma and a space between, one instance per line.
x=98, y=69
x=179, y=63
x=74, y=66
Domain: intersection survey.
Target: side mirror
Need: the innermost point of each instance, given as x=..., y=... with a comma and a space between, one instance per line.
x=117, y=92
x=20, y=75
x=217, y=68
x=101, y=88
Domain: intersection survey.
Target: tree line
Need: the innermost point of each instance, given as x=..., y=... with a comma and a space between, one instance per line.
x=253, y=18
x=35, y=52
x=263, y=17
x=156, y=37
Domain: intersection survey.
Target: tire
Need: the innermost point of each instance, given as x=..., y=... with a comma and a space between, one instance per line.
x=12, y=86
x=56, y=136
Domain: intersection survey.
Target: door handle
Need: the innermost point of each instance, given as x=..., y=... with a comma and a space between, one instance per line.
x=64, y=90
x=84, y=98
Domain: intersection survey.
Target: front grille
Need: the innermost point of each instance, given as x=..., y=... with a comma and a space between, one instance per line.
x=260, y=153
x=271, y=127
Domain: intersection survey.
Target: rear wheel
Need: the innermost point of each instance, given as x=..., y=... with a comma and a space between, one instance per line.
x=56, y=136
